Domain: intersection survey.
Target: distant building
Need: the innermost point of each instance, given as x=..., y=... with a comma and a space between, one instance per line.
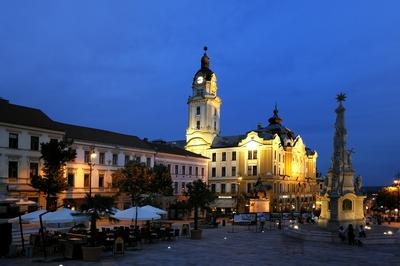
x=22, y=129
x=273, y=155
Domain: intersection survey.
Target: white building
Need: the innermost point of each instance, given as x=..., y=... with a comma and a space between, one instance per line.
x=22, y=129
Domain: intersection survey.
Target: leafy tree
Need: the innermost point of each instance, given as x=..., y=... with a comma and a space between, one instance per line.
x=135, y=180
x=161, y=182
x=55, y=155
x=199, y=197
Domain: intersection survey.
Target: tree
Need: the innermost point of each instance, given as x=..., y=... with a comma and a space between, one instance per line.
x=387, y=197
x=161, y=182
x=135, y=180
x=94, y=206
x=55, y=155
x=199, y=197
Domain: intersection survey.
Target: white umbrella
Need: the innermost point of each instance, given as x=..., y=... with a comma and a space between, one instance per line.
x=130, y=214
x=154, y=209
x=62, y=215
x=28, y=216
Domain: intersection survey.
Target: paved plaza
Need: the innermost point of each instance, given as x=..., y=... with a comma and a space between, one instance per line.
x=243, y=247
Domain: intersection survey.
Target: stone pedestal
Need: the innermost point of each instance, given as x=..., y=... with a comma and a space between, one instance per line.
x=259, y=205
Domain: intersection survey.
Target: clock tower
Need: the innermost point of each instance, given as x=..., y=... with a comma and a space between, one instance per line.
x=204, y=109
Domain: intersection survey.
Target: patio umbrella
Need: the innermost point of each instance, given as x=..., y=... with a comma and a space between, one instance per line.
x=27, y=202
x=130, y=215
x=62, y=215
x=28, y=216
x=154, y=209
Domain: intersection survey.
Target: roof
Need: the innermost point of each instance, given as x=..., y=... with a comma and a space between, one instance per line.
x=102, y=136
x=162, y=146
x=228, y=141
x=24, y=116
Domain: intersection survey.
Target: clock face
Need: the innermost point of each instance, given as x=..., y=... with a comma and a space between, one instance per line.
x=199, y=79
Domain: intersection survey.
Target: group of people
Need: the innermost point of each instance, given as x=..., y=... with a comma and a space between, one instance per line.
x=350, y=234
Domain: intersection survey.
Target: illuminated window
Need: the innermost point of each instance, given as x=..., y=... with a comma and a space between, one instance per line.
x=252, y=170
x=233, y=156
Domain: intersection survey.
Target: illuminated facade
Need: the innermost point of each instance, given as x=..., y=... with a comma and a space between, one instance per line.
x=22, y=129
x=273, y=155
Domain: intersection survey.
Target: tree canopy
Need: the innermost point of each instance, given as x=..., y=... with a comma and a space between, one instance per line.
x=55, y=154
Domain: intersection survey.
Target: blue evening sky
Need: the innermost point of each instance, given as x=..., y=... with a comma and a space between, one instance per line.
x=127, y=66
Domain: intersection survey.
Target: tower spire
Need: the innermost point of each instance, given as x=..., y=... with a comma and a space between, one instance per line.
x=205, y=60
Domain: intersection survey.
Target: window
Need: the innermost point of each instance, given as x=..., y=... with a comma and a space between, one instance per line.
x=252, y=155
x=202, y=171
x=169, y=168
x=176, y=169
x=198, y=124
x=347, y=205
x=213, y=172
x=198, y=110
x=33, y=169
x=223, y=171
x=196, y=172
x=71, y=179
x=86, y=157
x=233, y=188
x=86, y=180
x=252, y=170
x=34, y=143
x=115, y=159
x=12, y=169
x=190, y=170
x=101, y=158
x=101, y=180
x=214, y=157
x=148, y=162
x=127, y=159
x=223, y=188
x=13, y=141
x=213, y=188
x=274, y=169
x=275, y=155
x=249, y=187
x=183, y=170
x=183, y=186
x=223, y=156
x=233, y=156
x=233, y=170
x=138, y=159
x=215, y=125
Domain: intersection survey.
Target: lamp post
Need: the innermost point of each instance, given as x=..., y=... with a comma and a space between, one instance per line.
x=397, y=183
x=91, y=164
x=237, y=193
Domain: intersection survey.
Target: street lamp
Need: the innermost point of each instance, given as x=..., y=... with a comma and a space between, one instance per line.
x=91, y=164
x=237, y=193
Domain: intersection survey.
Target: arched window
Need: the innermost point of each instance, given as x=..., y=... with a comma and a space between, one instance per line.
x=347, y=205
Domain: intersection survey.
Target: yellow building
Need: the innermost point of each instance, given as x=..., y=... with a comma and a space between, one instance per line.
x=272, y=155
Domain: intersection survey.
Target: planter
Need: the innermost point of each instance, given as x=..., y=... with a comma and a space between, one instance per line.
x=92, y=253
x=195, y=234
